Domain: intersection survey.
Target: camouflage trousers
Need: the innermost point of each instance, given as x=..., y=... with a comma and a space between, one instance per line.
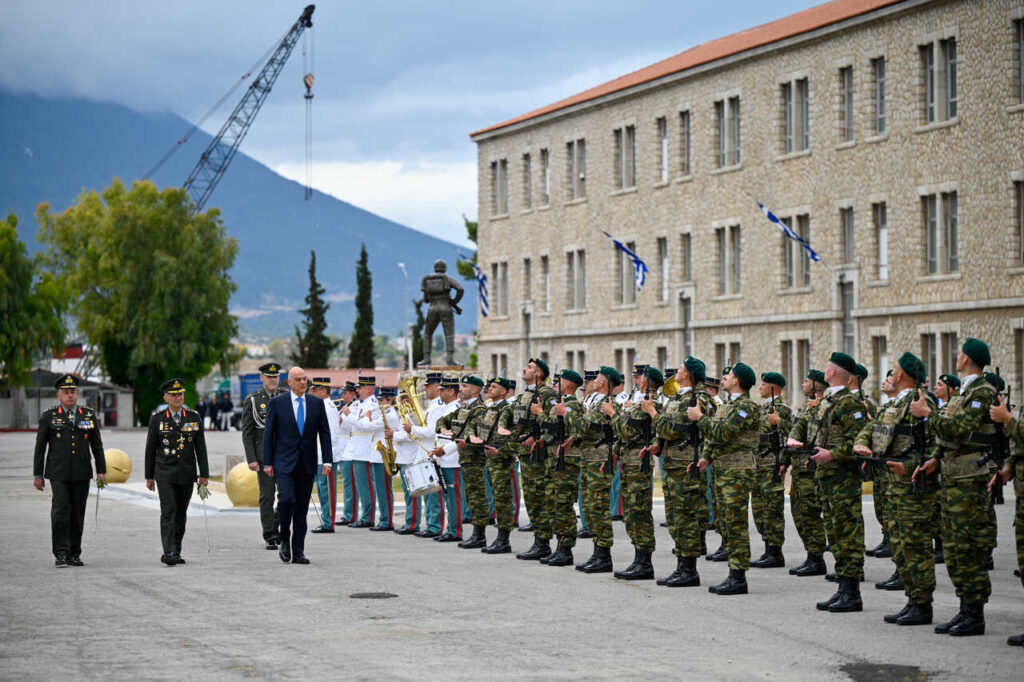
x=596, y=487
x=562, y=491
x=805, y=506
x=1018, y=524
x=534, y=479
x=965, y=515
x=473, y=480
x=882, y=500
x=637, y=498
x=735, y=487
x=683, y=497
x=716, y=504
x=768, y=505
x=844, y=519
x=502, y=470
x=909, y=519
x=937, y=517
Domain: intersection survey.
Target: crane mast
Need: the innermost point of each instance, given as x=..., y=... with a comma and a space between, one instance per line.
x=218, y=155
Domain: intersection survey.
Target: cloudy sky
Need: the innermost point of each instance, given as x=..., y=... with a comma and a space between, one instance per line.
x=400, y=84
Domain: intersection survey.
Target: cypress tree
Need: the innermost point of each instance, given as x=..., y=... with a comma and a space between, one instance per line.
x=360, y=346
x=313, y=346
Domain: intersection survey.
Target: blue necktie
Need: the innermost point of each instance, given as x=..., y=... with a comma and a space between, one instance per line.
x=300, y=416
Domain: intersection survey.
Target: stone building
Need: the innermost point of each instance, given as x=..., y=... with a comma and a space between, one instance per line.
x=888, y=133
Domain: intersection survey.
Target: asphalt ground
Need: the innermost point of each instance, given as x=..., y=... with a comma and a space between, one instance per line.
x=237, y=612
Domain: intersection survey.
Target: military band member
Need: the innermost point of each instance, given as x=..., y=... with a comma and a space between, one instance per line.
x=175, y=446
x=361, y=447
x=346, y=465
x=830, y=431
x=326, y=485
x=769, y=505
x=376, y=421
x=1013, y=469
x=447, y=453
x=965, y=509
x=489, y=435
x=458, y=424
x=804, y=501
x=68, y=435
x=532, y=406
x=563, y=471
x=685, y=501
x=732, y=435
x=254, y=417
x=407, y=451
x=433, y=505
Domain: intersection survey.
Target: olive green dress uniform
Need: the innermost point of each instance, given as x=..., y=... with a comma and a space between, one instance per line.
x=254, y=417
x=66, y=444
x=768, y=505
x=174, y=448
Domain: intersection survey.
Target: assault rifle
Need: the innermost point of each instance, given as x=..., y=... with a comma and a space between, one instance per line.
x=877, y=463
x=998, y=452
x=693, y=440
x=608, y=438
x=919, y=446
x=646, y=436
x=560, y=434
x=774, y=444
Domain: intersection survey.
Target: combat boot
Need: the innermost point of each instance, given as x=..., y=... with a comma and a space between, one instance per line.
x=882, y=549
x=632, y=566
x=973, y=622
x=477, y=540
x=539, y=550
x=919, y=614
x=703, y=542
x=685, y=574
x=944, y=628
x=562, y=556
x=1015, y=640
x=736, y=583
x=719, y=554
x=849, y=600
x=772, y=558
x=895, y=617
x=500, y=544
x=764, y=556
x=815, y=565
x=640, y=569
x=940, y=554
x=893, y=583
x=600, y=562
x=824, y=605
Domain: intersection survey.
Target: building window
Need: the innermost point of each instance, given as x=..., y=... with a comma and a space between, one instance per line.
x=577, y=164
x=527, y=182
x=684, y=143
x=661, y=362
x=847, y=234
x=849, y=329
x=576, y=280
x=618, y=364
x=686, y=314
x=941, y=226
x=1018, y=347
x=949, y=62
x=1019, y=61
x=626, y=274
x=663, y=267
x=685, y=264
x=545, y=169
x=878, y=71
x=727, y=118
x=950, y=350
x=499, y=187
x=879, y=221
x=930, y=355
x=663, y=149
x=795, y=258
x=734, y=353
x=796, y=116
x=494, y=365
x=795, y=359
x=939, y=75
x=544, y=357
x=569, y=358
x=729, y=258
x=625, y=157
x=803, y=361
x=788, y=362
x=545, y=276
x=881, y=348
x=720, y=358
x=846, y=104
x=1018, y=188
x=499, y=288
x=527, y=289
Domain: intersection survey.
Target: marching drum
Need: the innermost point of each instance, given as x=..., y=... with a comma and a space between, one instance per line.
x=423, y=478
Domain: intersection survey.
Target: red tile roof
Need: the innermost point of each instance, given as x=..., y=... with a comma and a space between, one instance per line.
x=794, y=24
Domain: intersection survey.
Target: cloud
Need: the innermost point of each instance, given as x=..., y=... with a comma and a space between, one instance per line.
x=249, y=313
x=339, y=297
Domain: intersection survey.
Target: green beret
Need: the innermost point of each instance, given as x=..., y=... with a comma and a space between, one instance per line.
x=570, y=375
x=996, y=380
x=844, y=361
x=861, y=372
x=473, y=381
x=503, y=382
x=66, y=381
x=697, y=369
x=912, y=365
x=745, y=375
x=773, y=378
x=726, y=370
x=889, y=373
x=654, y=374
x=977, y=351
x=542, y=365
x=173, y=386
x=612, y=374
x=817, y=376
x=951, y=380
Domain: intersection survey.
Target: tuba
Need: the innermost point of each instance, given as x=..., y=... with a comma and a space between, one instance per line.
x=670, y=388
x=411, y=410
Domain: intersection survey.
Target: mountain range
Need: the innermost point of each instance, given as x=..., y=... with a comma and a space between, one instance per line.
x=53, y=149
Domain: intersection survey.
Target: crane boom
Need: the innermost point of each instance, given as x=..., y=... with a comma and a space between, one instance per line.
x=218, y=155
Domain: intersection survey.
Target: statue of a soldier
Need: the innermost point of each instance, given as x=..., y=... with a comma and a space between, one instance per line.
x=436, y=292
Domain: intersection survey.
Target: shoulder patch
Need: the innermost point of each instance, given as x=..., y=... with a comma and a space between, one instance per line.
x=858, y=415
x=742, y=413
x=976, y=404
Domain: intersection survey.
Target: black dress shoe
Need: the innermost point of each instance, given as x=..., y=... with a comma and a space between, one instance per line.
x=178, y=559
x=823, y=605
x=285, y=553
x=425, y=534
x=60, y=562
x=616, y=517
x=1015, y=640
x=919, y=614
x=168, y=559
x=719, y=554
x=526, y=529
x=382, y=528
x=477, y=540
x=360, y=524
x=404, y=531
x=342, y=522
x=894, y=617
x=300, y=559
x=271, y=544
x=75, y=561
x=663, y=524
x=448, y=537
x=586, y=534
x=322, y=529
x=943, y=628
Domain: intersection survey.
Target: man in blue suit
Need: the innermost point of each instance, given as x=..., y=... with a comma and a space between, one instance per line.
x=294, y=422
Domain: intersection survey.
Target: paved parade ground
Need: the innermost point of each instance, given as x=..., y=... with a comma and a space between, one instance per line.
x=237, y=612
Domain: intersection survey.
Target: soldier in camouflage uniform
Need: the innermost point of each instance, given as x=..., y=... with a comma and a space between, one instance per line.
x=1013, y=469
x=530, y=409
x=947, y=390
x=563, y=473
x=880, y=497
x=960, y=434
x=684, y=488
x=490, y=431
x=805, y=505
x=592, y=434
x=830, y=431
x=634, y=436
x=731, y=437
x=909, y=505
x=768, y=505
x=459, y=424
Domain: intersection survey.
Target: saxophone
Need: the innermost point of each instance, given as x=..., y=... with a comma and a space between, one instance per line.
x=386, y=448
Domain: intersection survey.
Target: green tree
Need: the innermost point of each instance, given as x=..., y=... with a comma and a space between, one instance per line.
x=417, y=333
x=360, y=346
x=462, y=266
x=150, y=283
x=32, y=309
x=312, y=345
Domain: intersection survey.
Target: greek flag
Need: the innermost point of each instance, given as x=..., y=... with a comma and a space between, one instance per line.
x=789, y=232
x=639, y=266
x=481, y=286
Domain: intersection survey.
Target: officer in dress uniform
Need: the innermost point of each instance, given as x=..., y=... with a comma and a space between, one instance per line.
x=433, y=505
x=375, y=421
x=68, y=433
x=174, y=447
x=361, y=446
x=254, y=418
x=326, y=486
x=346, y=466
x=447, y=453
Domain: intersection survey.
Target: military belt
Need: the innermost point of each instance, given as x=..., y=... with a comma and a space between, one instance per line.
x=593, y=454
x=962, y=466
x=631, y=457
x=735, y=460
x=903, y=430
x=981, y=438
